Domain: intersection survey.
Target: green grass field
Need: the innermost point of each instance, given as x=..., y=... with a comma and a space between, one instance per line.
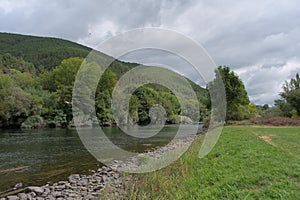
x=247, y=163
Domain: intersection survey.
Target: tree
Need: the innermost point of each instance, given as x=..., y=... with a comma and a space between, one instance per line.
x=266, y=107
x=236, y=94
x=103, y=97
x=9, y=64
x=64, y=77
x=293, y=98
x=15, y=103
x=289, y=103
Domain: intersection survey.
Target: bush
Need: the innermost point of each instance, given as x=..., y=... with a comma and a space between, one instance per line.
x=272, y=112
x=276, y=121
x=34, y=121
x=239, y=123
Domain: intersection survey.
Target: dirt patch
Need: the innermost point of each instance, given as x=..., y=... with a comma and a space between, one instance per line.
x=267, y=139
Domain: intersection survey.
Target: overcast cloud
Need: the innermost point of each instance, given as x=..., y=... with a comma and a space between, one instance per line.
x=259, y=40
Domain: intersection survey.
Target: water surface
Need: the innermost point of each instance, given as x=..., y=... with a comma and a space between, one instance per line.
x=35, y=157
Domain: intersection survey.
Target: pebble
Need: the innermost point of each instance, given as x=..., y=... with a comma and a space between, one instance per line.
x=12, y=198
x=18, y=186
x=37, y=190
x=22, y=196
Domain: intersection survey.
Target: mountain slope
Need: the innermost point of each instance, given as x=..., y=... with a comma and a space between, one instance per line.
x=48, y=52
x=50, y=91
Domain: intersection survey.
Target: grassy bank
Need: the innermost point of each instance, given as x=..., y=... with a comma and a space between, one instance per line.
x=246, y=163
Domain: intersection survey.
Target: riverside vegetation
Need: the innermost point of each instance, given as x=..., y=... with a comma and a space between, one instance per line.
x=37, y=76
x=36, y=80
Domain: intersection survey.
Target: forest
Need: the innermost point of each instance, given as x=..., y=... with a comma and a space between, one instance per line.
x=37, y=77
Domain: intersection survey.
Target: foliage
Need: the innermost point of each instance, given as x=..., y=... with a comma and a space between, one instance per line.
x=37, y=79
x=276, y=121
x=10, y=64
x=40, y=51
x=15, y=104
x=238, y=107
x=272, y=112
x=289, y=103
x=34, y=121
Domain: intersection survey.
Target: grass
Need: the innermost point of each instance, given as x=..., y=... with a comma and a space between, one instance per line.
x=241, y=166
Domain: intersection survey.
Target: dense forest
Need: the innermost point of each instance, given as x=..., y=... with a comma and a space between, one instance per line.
x=37, y=77
x=42, y=52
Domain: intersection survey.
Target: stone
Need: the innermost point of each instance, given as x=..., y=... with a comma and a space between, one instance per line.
x=57, y=194
x=91, y=197
x=29, y=197
x=22, y=196
x=13, y=197
x=60, y=187
x=97, y=188
x=74, y=176
x=46, y=191
x=31, y=194
x=62, y=182
x=68, y=186
x=72, y=195
x=105, y=179
x=83, y=182
x=50, y=197
x=18, y=185
x=37, y=190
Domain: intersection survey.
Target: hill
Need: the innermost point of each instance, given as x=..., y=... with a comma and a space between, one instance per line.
x=48, y=52
x=42, y=71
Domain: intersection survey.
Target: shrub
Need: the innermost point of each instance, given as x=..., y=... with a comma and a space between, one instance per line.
x=34, y=121
x=276, y=121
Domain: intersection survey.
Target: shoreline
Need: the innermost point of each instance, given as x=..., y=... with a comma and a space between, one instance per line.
x=79, y=186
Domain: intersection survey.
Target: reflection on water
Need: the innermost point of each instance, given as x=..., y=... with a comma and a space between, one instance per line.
x=35, y=157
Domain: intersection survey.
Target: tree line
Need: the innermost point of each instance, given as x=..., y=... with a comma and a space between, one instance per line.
x=37, y=77
x=31, y=98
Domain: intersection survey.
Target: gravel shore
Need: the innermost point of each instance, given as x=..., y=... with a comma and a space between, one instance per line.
x=79, y=186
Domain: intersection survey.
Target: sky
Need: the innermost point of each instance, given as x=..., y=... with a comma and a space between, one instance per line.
x=259, y=40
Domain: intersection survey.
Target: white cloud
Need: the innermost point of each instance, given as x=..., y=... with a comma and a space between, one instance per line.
x=264, y=83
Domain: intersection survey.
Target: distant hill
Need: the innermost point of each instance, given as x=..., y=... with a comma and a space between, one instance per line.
x=48, y=52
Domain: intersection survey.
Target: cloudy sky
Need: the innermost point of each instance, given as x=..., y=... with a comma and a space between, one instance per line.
x=259, y=40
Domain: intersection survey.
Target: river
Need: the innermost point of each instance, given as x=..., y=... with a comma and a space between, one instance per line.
x=35, y=157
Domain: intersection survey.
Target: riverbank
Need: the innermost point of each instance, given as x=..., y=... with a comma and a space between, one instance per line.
x=36, y=157
x=242, y=165
x=77, y=186
x=107, y=180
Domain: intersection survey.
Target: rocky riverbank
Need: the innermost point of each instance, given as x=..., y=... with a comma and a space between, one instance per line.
x=90, y=186
x=75, y=187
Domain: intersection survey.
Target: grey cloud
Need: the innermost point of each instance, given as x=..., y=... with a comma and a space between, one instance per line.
x=252, y=37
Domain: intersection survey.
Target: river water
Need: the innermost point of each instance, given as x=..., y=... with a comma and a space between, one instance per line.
x=35, y=157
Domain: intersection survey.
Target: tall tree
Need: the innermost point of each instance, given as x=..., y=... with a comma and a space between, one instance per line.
x=289, y=103
x=236, y=94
